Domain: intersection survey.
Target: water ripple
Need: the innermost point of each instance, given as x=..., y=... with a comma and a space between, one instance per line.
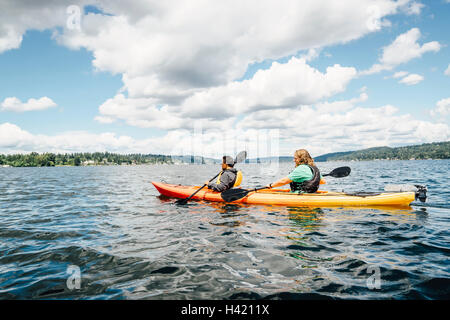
x=130, y=243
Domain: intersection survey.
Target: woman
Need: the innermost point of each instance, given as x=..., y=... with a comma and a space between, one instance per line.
x=304, y=178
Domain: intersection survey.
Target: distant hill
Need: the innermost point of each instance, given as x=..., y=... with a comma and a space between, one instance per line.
x=329, y=156
x=435, y=150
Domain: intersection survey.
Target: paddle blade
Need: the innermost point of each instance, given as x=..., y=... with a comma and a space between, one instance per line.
x=181, y=201
x=234, y=194
x=241, y=157
x=340, y=172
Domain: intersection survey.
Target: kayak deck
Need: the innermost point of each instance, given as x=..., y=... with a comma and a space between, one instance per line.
x=284, y=197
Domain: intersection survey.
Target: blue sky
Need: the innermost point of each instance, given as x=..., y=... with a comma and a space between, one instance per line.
x=81, y=71
x=41, y=67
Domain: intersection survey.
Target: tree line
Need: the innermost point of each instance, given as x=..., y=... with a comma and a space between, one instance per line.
x=35, y=159
x=436, y=150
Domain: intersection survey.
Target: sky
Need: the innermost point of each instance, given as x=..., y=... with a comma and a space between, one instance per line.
x=216, y=77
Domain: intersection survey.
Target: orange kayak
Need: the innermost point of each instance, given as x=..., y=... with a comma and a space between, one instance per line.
x=284, y=197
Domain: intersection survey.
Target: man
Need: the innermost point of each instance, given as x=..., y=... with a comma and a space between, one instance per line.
x=228, y=177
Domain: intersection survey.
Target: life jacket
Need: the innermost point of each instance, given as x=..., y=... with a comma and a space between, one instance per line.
x=308, y=186
x=237, y=180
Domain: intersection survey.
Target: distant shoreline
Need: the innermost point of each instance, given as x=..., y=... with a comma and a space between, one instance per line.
x=189, y=164
x=432, y=151
x=427, y=151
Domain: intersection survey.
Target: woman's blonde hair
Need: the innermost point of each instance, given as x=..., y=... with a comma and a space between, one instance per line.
x=304, y=157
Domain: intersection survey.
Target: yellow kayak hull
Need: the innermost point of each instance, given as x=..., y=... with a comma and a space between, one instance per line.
x=284, y=197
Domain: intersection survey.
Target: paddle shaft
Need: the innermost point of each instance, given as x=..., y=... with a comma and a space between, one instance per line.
x=336, y=173
x=227, y=197
x=189, y=198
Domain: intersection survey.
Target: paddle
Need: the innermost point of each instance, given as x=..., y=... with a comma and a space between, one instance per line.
x=236, y=194
x=339, y=172
x=239, y=158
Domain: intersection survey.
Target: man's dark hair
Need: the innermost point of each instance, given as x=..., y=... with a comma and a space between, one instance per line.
x=228, y=160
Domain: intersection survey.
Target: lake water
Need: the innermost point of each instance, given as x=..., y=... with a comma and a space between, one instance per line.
x=105, y=233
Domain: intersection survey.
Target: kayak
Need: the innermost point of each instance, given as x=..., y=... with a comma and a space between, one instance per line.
x=285, y=197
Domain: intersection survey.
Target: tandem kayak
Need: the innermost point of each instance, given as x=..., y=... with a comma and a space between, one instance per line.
x=284, y=197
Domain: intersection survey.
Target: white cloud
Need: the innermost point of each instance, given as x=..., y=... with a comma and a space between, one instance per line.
x=447, y=71
x=408, y=79
x=319, y=133
x=104, y=119
x=346, y=129
x=13, y=139
x=412, y=79
x=10, y=39
x=11, y=136
x=403, y=49
x=179, y=62
x=340, y=106
x=174, y=68
x=145, y=113
x=442, y=108
x=399, y=74
x=311, y=54
x=140, y=112
x=16, y=17
x=15, y=105
x=282, y=85
x=414, y=8
x=164, y=50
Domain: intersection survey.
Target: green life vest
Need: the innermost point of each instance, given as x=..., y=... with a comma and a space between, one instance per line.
x=308, y=186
